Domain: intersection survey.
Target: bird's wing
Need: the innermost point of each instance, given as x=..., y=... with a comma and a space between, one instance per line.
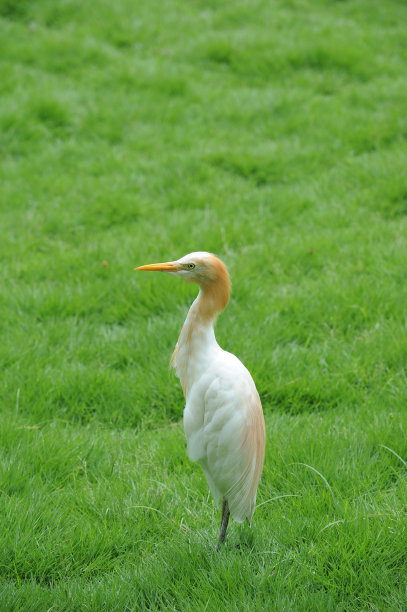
x=233, y=436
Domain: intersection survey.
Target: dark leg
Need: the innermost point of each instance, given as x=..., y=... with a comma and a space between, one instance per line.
x=223, y=524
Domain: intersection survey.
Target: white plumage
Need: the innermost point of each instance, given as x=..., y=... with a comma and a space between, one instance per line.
x=223, y=418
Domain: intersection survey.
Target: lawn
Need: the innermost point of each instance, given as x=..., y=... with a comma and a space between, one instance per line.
x=273, y=134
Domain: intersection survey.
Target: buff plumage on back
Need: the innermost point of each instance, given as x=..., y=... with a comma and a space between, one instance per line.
x=254, y=444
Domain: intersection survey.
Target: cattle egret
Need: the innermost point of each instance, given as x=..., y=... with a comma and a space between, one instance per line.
x=223, y=417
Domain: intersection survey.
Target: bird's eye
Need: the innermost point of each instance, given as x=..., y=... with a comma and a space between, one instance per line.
x=190, y=266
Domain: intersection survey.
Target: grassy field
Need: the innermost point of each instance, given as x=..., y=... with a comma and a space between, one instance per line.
x=273, y=134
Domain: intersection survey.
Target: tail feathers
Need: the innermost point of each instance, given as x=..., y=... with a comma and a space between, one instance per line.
x=240, y=498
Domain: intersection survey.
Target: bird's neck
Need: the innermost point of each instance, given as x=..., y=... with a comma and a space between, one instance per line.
x=197, y=340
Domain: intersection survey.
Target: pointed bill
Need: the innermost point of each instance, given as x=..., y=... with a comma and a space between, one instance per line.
x=169, y=266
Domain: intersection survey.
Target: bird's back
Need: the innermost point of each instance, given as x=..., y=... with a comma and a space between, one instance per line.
x=224, y=427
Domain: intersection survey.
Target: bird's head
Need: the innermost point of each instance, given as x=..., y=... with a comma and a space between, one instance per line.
x=199, y=267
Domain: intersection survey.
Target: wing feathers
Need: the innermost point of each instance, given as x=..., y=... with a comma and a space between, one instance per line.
x=242, y=494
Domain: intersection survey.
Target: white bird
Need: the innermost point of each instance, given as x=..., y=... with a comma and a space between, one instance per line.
x=223, y=417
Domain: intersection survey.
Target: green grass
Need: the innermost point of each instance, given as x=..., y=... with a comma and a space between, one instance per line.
x=273, y=134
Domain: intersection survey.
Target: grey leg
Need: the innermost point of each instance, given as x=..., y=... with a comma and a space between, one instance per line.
x=223, y=524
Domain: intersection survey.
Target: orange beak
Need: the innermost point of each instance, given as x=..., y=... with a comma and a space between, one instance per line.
x=170, y=266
